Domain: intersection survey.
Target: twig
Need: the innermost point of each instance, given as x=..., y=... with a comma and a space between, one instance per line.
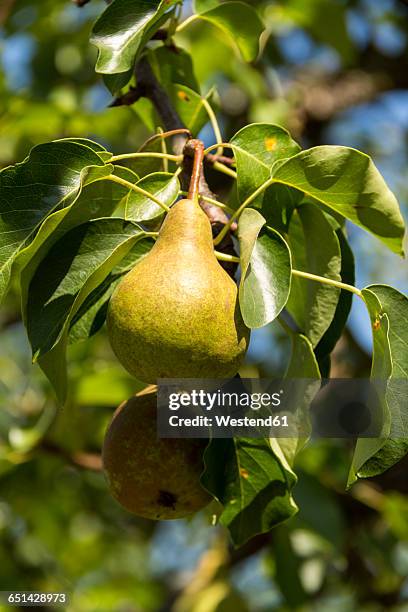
x=163, y=135
x=197, y=172
x=5, y=10
x=89, y=461
x=149, y=87
x=222, y=159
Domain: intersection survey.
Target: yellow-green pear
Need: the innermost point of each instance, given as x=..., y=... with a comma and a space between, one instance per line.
x=176, y=314
x=154, y=478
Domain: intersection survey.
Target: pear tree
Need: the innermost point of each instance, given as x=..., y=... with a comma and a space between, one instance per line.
x=144, y=240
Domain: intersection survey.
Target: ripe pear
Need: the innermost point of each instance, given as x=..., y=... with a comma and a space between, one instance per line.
x=176, y=314
x=154, y=478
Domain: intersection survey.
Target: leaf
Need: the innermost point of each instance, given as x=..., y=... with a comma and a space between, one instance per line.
x=277, y=205
x=346, y=181
x=302, y=365
x=98, y=199
x=162, y=185
x=315, y=249
x=75, y=266
x=115, y=82
x=119, y=33
x=92, y=314
x=265, y=270
x=287, y=574
x=189, y=106
x=170, y=67
x=329, y=522
x=51, y=176
x=388, y=310
x=253, y=485
x=256, y=148
x=204, y=5
x=333, y=333
x=239, y=22
x=91, y=144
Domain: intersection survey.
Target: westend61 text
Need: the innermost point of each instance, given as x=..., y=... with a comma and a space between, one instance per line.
x=228, y=421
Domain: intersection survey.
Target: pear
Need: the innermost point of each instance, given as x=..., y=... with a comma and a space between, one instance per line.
x=176, y=314
x=150, y=477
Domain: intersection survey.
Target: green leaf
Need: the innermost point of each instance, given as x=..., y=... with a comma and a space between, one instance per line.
x=204, y=5
x=329, y=522
x=85, y=256
x=333, y=333
x=287, y=574
x=170, y=67
x=346, y=181
x=186, y=102
x=253, y=485
x=98, y=199
x=92, y=314
x=51, y=176
x=388, y=310
x=315, y=249
x=120, y=32
x=91, y=144
x=162, y=185
x=115, y=82
x=189, y=106
x=256, y=148
x=302, y=365
x=265, y=270
x=277, y=205
x=239, y=22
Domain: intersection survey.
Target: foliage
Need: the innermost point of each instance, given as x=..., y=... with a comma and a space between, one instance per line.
x=75, y=217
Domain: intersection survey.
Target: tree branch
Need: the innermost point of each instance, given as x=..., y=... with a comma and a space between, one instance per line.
x=322, y=97
x=5, y=10
x=149, y=87
x=82, y=459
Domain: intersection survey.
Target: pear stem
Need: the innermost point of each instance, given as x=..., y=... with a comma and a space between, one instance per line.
x=128, y=185
x=194, y=188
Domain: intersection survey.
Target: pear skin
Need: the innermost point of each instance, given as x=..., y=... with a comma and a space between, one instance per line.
x=154, y=478
x=176, y=314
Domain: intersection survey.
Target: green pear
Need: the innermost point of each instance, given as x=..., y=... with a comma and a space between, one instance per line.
x=154, y=478
x=176, y=314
